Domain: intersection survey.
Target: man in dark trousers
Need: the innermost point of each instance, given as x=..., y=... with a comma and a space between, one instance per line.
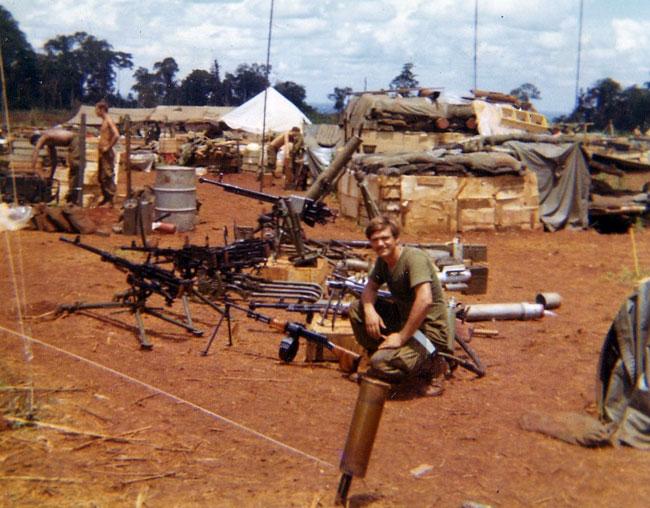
x=401, y=336
x=52, y=138
x=108, y=136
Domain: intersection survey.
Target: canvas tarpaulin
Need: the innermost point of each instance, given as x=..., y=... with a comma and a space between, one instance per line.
x=563, y=179
x=367, y=106
x=623, y=395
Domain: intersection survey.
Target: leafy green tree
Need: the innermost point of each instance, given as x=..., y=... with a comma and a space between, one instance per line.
x=526, y=92
x=405, y=79
x=80, y=67
x=196, y=88
x=295, y=93
x=165, y=72
x=99, y=63
x=146, y=87
x=340, y=96
x=20, y=63
x=600, y=104
x=216, y=92
x=248, y=81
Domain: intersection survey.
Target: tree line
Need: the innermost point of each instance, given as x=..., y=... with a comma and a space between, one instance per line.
x=80, y=68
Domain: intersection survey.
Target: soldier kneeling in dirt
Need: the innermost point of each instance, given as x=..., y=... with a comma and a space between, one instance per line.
x=402, y=336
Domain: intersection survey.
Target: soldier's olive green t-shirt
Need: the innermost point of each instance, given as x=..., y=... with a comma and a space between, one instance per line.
x=413, y=268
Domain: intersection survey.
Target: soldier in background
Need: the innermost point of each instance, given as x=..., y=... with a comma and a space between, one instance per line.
x=52, y=138
x=108, y=136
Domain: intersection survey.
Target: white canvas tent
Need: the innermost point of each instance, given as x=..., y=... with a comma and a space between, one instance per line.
x=281, y=114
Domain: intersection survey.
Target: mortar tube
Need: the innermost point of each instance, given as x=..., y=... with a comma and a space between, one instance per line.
x=503, y=311
x=361, y=436
x=324, y=183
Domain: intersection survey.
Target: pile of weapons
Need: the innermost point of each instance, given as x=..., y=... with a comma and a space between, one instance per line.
x=204, y=151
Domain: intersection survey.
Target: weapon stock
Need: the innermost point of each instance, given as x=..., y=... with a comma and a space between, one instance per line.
x=348, y=360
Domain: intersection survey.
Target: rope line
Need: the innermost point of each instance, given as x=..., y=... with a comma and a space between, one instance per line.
x=176, y=398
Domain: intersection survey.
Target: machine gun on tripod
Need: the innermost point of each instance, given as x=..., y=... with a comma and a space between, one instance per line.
x=285, y=218
x=192, y=261
x=144, y=279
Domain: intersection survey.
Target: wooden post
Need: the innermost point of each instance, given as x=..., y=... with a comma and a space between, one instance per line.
x=82, y=161
x=5, y=109
x=127, y=161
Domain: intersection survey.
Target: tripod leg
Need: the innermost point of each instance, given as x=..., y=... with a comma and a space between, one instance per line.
x=214, y=334
x=186, y=308
x=173, y=321
x=142, y=336
x=227, y=316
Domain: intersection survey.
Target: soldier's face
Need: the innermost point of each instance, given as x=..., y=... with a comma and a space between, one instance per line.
x=383, y=243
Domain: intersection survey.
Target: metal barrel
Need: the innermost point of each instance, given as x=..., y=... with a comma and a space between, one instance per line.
x=175, y=192
x=550, y=301
x=504, y=311
x=137, y=214
x=365, y=422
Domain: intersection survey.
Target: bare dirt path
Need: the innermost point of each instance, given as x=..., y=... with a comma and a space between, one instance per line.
x=239, y=428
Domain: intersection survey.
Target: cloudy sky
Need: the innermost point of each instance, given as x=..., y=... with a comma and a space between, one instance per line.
x=322, y=44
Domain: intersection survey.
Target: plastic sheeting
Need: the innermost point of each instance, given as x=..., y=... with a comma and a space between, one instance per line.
x=563, y=179
x=281, y=114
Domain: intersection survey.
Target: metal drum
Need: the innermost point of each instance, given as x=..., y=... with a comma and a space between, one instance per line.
x=175, y=191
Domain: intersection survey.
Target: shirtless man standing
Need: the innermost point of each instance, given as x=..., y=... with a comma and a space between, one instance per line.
x=108, y=136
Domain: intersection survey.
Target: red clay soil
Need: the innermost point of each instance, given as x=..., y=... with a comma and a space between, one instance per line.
x=169, y=427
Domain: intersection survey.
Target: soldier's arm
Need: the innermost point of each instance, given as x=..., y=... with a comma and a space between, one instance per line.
x=421, y=304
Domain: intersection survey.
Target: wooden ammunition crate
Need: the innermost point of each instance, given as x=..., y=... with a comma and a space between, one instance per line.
x=342, y=335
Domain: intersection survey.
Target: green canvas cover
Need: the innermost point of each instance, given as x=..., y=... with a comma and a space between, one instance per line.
x=563, y=179
x=622, y=391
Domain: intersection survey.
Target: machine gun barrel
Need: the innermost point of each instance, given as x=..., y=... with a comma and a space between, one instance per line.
x=160, y=280
x=348, y=360
x=261, y=196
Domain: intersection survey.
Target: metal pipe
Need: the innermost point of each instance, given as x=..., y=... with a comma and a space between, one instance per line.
x=503, y=311
x=324, y=183
x=361, y=436
x=549, y=300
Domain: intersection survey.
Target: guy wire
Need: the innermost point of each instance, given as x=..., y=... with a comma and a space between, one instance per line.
x=176, y=398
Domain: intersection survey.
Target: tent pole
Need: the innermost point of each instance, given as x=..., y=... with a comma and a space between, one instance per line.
x=266, y=71
x=5, y=110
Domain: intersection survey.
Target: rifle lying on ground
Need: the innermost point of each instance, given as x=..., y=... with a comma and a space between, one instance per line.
x=337, y=309
x=348, y=360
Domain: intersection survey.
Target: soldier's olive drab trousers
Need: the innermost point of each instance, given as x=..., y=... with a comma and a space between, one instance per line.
x=106, y=174
x=392, y=365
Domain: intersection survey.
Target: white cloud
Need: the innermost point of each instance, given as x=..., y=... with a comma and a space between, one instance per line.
x=331, y=43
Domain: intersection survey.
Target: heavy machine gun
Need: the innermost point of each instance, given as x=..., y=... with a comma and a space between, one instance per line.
x=193, y=260
x=285, y=217
x=144, y=279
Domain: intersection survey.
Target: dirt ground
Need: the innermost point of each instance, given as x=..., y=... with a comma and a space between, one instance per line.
x=169, y=427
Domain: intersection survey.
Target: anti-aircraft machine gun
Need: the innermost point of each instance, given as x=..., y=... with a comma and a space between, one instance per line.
x=144, y=279
x=289, y=212
x=285, y=217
